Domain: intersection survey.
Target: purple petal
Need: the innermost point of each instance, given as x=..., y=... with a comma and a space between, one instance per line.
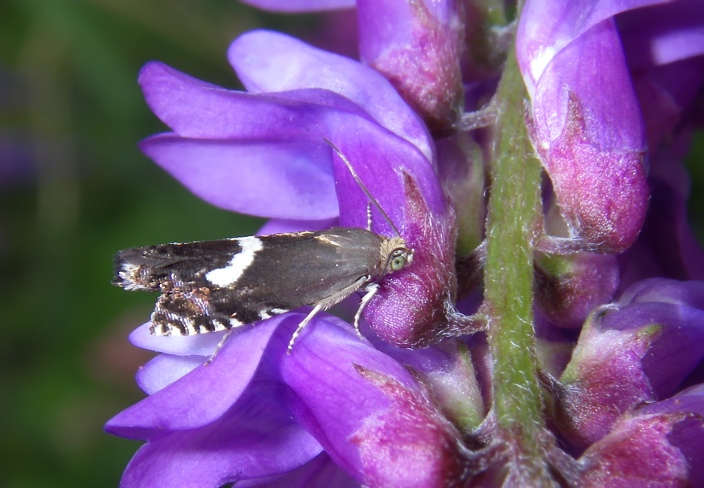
x=277, y=226
x=661, y=290
x=447, y=371
x=547, y=26
x=598, y=53
x=382, y=162
x=256, y=438
x=640, y=452
x=679, y=348
x=239, y=175
x=568, y=288
x=164, y=369
x=689, y=400
x=199, y=110
x=413, y=307
x=268, y=61
x=591, y=142
x=216, y=386
x=320, y=472
x=417, y=46
x=409, y=309
x=363, y=437
x=198, y=345
x=666, y=94
x=625, y=357
x=662, y=34
x=300, y=5
x=677, y=344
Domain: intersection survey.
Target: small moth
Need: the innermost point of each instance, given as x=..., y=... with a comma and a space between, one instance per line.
x=217, y=285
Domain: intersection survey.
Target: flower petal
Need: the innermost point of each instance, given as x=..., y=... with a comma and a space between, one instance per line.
x=417, y=46
x=641, y=452
x=256, y=438
x=268, y=61
x=238, y=176
x=591, y=141
x=547, y=26
x=300, y=5
x=626, y=356
x=200, y=110
x=216, y=386
x=196, y=109
x=320, y=472
x=689, y=400
x=569, y=287
x=661, y=290
x=278, y=226
x=662, y=34
x=164, y=369
x=395, y=437
x=197, y=345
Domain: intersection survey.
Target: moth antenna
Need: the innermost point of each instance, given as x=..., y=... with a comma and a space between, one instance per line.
x=361, y=185
x=369, y=216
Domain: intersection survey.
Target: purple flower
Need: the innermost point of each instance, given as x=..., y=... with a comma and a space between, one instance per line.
x=568, y=289
x=672, y=444
x=257, y=413
x=228, y=148
x=590, y=139
x=566, y=383
x=663, y=45
x=417, y=46
x=231, y=148
x=637, y=350
x=300, y=5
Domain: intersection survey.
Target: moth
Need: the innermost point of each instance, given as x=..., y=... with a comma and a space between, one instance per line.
x=211, y=286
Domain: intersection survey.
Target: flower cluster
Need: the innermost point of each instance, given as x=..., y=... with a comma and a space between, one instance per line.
x=608, y=389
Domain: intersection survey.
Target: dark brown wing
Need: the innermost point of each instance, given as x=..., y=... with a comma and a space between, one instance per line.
x=216, y=285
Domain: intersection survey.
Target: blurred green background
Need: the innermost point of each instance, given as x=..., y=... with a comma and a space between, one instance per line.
x=74, y=189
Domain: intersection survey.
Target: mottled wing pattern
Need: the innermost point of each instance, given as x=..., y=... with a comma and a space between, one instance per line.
x=172, y=266
x=216, y=285
x=190, y=302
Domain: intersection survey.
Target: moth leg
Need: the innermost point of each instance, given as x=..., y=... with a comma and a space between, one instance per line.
x=303, y=323
x=218, y=347
x=328, y=302
x=371, y=289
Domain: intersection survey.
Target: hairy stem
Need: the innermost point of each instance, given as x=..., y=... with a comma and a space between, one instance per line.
x=514, y=210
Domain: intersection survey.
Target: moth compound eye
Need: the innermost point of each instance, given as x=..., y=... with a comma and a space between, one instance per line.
x=398, y=260
x=398, y=263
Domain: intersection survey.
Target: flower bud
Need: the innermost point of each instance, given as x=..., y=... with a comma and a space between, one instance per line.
x=417, y=46
x=662, y=450
x=590, y=139
x=569, y=287
x=635, y=351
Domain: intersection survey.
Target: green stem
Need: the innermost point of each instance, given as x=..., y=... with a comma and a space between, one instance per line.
x=514, y=209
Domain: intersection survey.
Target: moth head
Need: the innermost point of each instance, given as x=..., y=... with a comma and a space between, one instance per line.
x=395, y=254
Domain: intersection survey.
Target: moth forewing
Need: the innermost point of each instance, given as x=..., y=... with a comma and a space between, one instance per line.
x=217, y=285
